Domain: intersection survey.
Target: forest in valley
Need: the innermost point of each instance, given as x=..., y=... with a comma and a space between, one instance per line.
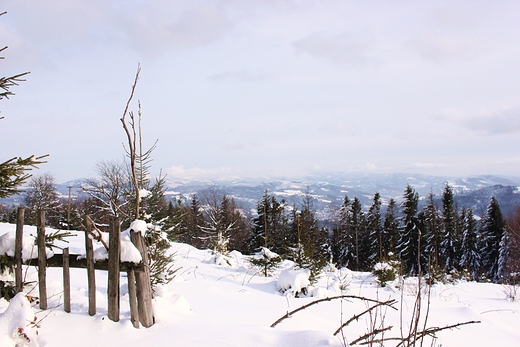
x=440, y=240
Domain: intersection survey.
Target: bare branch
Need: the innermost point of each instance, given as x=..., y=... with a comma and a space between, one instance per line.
x=289, y=314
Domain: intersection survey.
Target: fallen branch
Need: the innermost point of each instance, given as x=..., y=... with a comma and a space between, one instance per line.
x=388, y=303
x=289, y=314
x=370, y=334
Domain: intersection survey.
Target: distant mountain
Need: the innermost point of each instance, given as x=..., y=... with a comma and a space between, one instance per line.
x=329, y=190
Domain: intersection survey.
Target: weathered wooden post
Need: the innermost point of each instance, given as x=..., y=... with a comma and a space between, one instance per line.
x=42, y=258
x=142, y=279
x=114, y=255
x=18, y=246
x=132, y=296
x=91, y=274
x=66, y=280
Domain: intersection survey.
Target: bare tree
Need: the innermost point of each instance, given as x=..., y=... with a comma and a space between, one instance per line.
x=110, y=189
x=139, y=159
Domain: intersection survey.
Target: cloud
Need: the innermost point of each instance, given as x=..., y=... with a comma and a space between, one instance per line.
x=179, y=172
x=241, y=76
x=500, y=122
x=450, y=35
x=344, y=48
x=233, y=146
x=157, y=28
x=420, y=165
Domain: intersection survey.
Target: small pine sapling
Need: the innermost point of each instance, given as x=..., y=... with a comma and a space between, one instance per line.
x=266, y=261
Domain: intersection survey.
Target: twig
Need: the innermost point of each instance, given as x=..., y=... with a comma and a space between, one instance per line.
x=289, y=314
x=357, y=316
x=370, y=334
x=98, y=237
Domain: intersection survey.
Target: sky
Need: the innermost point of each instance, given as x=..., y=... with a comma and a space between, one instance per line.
x=266, y=88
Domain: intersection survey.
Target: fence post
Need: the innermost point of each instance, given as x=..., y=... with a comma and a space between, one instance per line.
x=91, y=274
x=66, y=280
x=18, y=246
x=42, y=258
x=114, y=254
x=142, y=279
x=132, y=296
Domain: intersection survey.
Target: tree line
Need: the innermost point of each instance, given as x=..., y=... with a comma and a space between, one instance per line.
x=433, y=240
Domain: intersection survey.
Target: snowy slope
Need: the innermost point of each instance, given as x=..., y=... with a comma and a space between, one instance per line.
x=215, y=305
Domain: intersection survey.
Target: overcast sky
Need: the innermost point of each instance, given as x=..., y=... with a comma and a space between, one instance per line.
x=257, y=88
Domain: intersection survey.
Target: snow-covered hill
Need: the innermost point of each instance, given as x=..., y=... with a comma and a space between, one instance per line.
x=231, y=305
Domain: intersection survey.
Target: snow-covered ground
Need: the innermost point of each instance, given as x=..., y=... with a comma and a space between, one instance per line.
x=222, y=305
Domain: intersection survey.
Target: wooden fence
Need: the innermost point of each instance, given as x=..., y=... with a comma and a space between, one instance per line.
x=138, y=275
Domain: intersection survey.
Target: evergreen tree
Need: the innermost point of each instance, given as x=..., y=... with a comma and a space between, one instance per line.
x=409, y=239
x=345, y=240
x=450, y=243
x=433, y=234
x=470, y=249
x=355, y=228
x=194, y=223
x=504, y=271
x=375, y=231
x=271, y=228
x=310, y=251
x=492, y=230
x=15, y=171
x=390, y=229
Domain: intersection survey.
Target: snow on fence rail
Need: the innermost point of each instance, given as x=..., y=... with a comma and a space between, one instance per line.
x=139, y=287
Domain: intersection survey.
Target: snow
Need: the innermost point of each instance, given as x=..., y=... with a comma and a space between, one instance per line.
x=231, y=305
x=293, y=281
x=139, y=226
x=17, y=323
x=129, y=252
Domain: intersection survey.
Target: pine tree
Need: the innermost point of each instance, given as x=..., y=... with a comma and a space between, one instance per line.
x=310, y=251
x=271, y=228
x=409, y=239
x=390, y=229
x=15, y=171
x=375, y=231
x=470, y=250
x=343, y=238
x=432, y=223
x=503, y=271
x=450, y=243
x=492, y=230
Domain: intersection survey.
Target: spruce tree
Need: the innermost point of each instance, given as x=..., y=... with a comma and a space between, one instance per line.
x=270, y=228
x=375, y=231
x=492, y=230
x=470, y=249
x=450, y=243
x=409, y=238
x=355, y=226
x=15, y=171
x=432, y=231
x=310, y=251
x=343, y=236
x=390, y=229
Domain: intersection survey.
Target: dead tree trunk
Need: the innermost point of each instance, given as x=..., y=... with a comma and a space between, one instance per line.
x=42, y=258
x=114, y=255
x=18, y=247
x=144, y=289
